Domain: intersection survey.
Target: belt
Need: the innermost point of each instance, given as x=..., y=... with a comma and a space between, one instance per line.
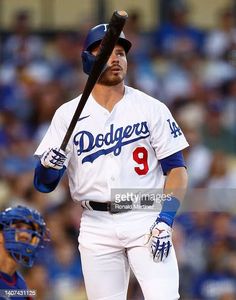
x=105, y=206
x=111, y=206
x=100, y=206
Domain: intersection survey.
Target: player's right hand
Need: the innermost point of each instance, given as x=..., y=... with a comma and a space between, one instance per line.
x=53, y=158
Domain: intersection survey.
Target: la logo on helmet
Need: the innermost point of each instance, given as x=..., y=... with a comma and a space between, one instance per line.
x=105, y=26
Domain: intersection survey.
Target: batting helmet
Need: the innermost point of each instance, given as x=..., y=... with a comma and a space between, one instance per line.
x=94, y=37
x=24, y=252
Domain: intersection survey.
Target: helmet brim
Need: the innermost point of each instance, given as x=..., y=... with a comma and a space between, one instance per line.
x=121, y=41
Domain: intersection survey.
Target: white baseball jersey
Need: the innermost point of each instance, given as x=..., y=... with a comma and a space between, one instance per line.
x=117, y=149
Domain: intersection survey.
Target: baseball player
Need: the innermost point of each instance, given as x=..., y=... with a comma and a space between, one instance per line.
x=22, y=233
x=123, y=140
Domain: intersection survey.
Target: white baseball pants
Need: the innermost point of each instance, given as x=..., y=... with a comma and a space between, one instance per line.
x=111, y=244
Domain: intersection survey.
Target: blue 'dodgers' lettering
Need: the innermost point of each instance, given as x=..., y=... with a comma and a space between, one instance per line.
x=112, y=141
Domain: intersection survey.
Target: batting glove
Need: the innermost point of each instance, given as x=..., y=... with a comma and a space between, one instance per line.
x=53, y=158
x=159, y=240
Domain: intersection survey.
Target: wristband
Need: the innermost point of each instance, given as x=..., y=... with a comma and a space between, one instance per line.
x=46, y=179
x=169, y=210
x=47, y=175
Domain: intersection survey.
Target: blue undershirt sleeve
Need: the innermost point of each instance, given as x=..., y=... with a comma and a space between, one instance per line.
x=175, y=160
x=47, y=179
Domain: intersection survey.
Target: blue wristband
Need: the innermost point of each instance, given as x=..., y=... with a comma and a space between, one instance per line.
x=169, y=210
x=46, y=179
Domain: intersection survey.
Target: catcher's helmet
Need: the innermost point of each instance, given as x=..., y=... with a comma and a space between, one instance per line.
x=23, y=251
x=94, y=37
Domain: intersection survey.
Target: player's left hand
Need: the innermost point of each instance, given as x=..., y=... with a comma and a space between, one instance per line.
x=159, y=240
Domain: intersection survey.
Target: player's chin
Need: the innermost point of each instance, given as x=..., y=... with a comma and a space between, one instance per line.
x=112, y=79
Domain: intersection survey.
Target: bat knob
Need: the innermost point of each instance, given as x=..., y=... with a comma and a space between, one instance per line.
x=122, y=13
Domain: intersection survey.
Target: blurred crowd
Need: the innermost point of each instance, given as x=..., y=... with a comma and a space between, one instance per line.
x=191, y=70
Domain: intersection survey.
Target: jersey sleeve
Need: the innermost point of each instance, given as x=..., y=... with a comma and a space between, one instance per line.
x=54, y=135
x=166, y=136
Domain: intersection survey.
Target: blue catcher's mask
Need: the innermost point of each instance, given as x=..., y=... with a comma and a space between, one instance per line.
x=93, y=39
x=24, y=232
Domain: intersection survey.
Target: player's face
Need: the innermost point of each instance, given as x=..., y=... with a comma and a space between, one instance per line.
x=23, y=233
x=116, y=67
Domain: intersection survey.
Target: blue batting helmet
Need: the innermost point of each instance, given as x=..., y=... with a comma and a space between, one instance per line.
x=23, y=251
x=93, y=39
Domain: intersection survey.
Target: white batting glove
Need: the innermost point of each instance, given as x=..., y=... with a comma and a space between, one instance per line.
x=53, y=158
x=159, y=240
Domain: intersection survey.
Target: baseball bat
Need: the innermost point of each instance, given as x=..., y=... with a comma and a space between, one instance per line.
x=106, y=47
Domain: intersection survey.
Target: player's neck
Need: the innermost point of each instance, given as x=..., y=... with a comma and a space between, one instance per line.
x=108, y=96
x=8, y=265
